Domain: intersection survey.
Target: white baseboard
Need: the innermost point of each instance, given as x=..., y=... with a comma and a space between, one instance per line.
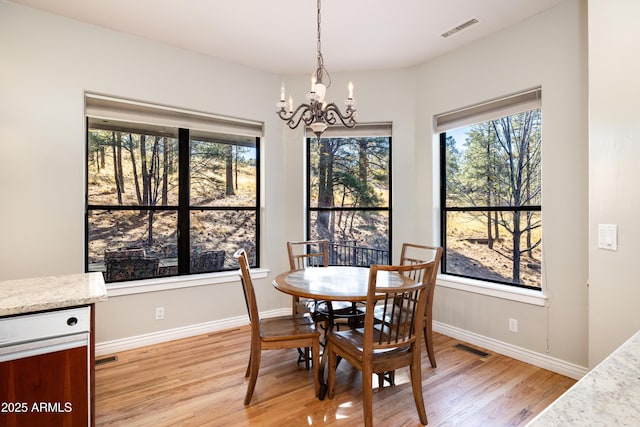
x=537, y=359
x=533, y=358
x=129, y=343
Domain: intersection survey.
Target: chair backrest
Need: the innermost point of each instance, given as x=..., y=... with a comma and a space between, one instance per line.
x=250, y=248
x=124, y=253
x=413, y=254
x=247, y=288
x=120, y=269
x=207, y=261
x=308, y=253
x=394, y=315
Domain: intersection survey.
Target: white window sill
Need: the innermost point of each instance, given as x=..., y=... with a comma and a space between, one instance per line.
x=178, y=282
x=528, y=296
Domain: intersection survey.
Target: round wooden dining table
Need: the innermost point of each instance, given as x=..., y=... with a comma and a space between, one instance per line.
x=334, y=283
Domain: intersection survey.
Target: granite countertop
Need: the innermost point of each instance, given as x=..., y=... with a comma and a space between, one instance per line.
x=607, y=396
x=46, y=293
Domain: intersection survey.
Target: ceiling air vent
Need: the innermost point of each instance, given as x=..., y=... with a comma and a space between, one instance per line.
x=460, y=27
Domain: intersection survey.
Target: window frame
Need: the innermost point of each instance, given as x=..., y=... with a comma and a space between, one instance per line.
x=502, y=107
x=364, y=131
x=184, y=208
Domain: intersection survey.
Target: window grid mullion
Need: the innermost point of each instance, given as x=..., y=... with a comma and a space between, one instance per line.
x=184, y=196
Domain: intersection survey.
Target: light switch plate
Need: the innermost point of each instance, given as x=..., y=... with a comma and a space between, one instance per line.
x=608, y=237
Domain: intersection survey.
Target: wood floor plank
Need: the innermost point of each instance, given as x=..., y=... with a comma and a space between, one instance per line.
x=199, y=381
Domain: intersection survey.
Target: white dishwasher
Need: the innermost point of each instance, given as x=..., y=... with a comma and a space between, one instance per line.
x=44, y=368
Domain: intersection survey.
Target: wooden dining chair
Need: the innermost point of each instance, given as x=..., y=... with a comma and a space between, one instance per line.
x=315, y=253
x=413, y=254
x=390, y=338
x=120, y=269
x=303, y=254
x=206, y=262
x=275, y=333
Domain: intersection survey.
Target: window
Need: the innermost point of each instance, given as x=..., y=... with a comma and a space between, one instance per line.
x=169, y=192
x=349, y=193
x=491, y=191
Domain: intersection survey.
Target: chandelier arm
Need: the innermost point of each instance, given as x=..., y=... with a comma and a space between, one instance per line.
x=331, y=111
x=306, y=115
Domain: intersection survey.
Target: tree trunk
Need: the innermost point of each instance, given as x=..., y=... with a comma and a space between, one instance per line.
x=100, y=156
x=516, y=247
x=146, y=183
x=229, y=171
x=135, y=171
x=153, y=173
x=116, y=177
x=488, y=169
x=119, y=152
x=153, y=177
x=363, y=160
x=489, y=231
x=338, y=218
x=236, y=166
x=165, y=172
x=150, y=229
x=325, y=190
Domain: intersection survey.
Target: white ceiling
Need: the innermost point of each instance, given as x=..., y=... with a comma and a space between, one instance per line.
x=279, y=36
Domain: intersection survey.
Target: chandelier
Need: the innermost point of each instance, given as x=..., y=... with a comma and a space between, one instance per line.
x=317, y=114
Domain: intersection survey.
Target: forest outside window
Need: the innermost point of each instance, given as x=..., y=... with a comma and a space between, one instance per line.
x=168, y=194
x=349, y=193
x=491, y=191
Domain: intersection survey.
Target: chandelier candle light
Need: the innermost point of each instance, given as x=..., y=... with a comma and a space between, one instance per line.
x=317, y=114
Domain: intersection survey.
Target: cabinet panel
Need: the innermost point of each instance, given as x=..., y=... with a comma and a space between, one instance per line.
x=45, y=390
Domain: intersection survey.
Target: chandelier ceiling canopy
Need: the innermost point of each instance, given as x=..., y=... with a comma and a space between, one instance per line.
x=317, y=113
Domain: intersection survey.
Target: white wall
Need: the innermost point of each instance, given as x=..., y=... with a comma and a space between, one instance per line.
x=48, y=62
x=548, y=50
x=614, y=152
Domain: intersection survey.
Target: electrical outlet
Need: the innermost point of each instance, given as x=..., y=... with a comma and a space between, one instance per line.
x=159, y=313
x=513, y=325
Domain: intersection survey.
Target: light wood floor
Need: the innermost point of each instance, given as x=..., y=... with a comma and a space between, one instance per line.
x=200, y=381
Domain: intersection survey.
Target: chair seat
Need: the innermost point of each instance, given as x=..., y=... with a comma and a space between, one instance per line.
x=284, y=328
x=354, y=338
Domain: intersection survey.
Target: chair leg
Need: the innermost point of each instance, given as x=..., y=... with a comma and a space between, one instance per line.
x=416, y=385
x=367, y=396
x=254, y=367
x=381, y=379
x=303, y=356
x=248, y=371
x=331, y=366
x=428, y=343
x=389, y=376
x=294, y=306
x=315, y=354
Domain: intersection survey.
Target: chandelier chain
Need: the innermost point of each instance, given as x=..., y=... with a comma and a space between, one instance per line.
x=320, y=70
